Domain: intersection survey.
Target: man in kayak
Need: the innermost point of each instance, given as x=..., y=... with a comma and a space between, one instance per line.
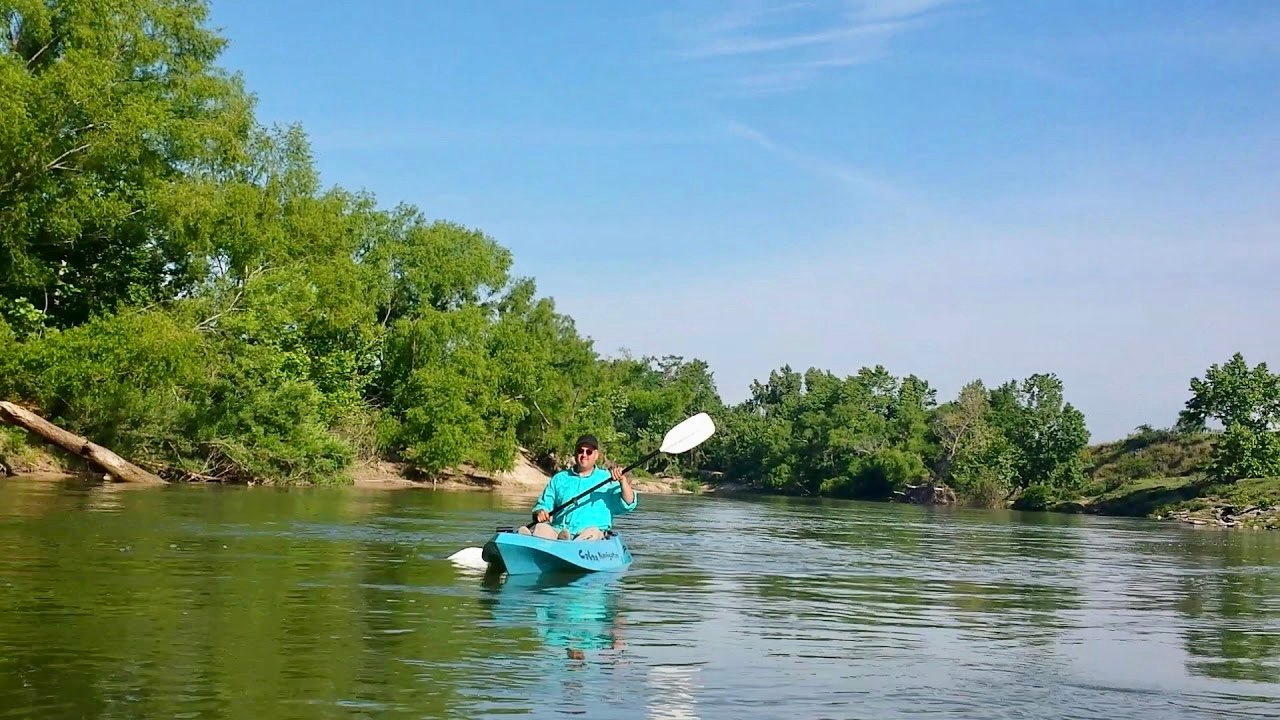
x=591, y=516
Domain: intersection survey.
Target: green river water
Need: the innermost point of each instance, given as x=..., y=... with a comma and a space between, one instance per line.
x=234, y=602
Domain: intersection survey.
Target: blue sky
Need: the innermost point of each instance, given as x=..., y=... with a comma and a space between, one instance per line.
x=959, y=189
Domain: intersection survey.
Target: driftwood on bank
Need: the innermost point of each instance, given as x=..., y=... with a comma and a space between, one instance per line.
x=105, y=460
x=927, y=493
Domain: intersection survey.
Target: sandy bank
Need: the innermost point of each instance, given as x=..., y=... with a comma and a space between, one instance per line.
x=524, y=477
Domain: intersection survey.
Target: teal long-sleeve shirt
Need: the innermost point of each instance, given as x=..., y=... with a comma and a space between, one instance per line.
x=594, y=510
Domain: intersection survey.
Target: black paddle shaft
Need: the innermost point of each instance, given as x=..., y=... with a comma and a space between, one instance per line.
x=598, y=485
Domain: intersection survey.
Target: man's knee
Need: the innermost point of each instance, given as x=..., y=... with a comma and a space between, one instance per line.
x=542, y=530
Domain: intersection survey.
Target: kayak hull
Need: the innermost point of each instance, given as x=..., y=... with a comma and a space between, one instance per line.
x=518, y=554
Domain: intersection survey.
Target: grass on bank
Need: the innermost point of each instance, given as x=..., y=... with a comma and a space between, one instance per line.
x=1158, y=497
x=1154, y=472
x=20, y=454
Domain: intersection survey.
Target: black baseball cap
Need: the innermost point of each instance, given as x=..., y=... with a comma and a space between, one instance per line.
x=587, y=441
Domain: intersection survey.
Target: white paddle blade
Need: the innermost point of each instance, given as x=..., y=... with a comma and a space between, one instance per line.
x=471, y=557
x=688, y=435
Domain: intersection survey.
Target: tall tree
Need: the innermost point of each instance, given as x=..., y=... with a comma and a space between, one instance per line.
x=974, y=456
x=1246, y=401
x=1047, y=433
x=110, y=106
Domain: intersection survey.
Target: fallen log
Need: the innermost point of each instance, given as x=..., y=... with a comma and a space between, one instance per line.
x=105, y=460
x=927, y=493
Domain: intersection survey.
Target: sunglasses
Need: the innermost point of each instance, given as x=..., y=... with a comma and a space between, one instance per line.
x=584, y=451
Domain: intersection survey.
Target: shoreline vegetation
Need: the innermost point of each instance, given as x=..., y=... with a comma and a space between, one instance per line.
x=177, y=286
x=1120, y=477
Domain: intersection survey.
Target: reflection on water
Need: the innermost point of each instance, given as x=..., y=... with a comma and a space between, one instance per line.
x=576, y=612
x=1222, y=603
x=272, y=603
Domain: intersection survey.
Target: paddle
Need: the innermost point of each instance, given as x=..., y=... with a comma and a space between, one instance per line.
x=682, y=438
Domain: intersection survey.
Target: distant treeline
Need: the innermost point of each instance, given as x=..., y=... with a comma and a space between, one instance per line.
x=176, y=284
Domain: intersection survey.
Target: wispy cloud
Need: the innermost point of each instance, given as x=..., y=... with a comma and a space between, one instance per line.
x=745, y=15
x=854, y=179
x=359, y=135
x=895, y=9
x=737, y=44
x=780, y=46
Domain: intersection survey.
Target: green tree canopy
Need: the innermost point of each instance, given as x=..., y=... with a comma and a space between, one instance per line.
x=1246, y=402
x=110, y=106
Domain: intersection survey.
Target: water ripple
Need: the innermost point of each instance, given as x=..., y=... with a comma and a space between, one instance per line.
x=236, y=602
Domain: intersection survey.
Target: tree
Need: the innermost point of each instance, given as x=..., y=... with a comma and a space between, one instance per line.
x=909, y=416
x=109, y=108
x=861, y=436
x=960, y=424
x=175, y=281
x=1046, y=435
x=974, y=456
x=1246, y=402
x=783, y=387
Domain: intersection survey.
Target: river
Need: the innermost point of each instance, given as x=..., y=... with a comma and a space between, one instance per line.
x=235, y=602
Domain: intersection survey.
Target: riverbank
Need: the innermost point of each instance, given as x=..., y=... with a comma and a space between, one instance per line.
x=1246, y=504
x=1183, y=497
x=21, y=455
x=25, y=460
x=1160, y=474
x=525, y=476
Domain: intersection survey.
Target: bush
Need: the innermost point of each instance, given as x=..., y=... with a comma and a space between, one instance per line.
x=1037, y=497
x=121, y=381
x=8, y=360
x=690, y=485
x=1145, y=436
x=1243, y=452
x=877, y=476
x=1146, y=453
x=185, y=403
x=985, y=493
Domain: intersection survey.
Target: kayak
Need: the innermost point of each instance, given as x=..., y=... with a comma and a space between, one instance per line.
x=526, y=554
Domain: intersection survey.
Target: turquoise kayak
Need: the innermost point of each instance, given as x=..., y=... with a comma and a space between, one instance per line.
x=525, y=554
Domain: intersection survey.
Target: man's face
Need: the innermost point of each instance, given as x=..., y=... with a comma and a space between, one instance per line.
x=585, y=456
